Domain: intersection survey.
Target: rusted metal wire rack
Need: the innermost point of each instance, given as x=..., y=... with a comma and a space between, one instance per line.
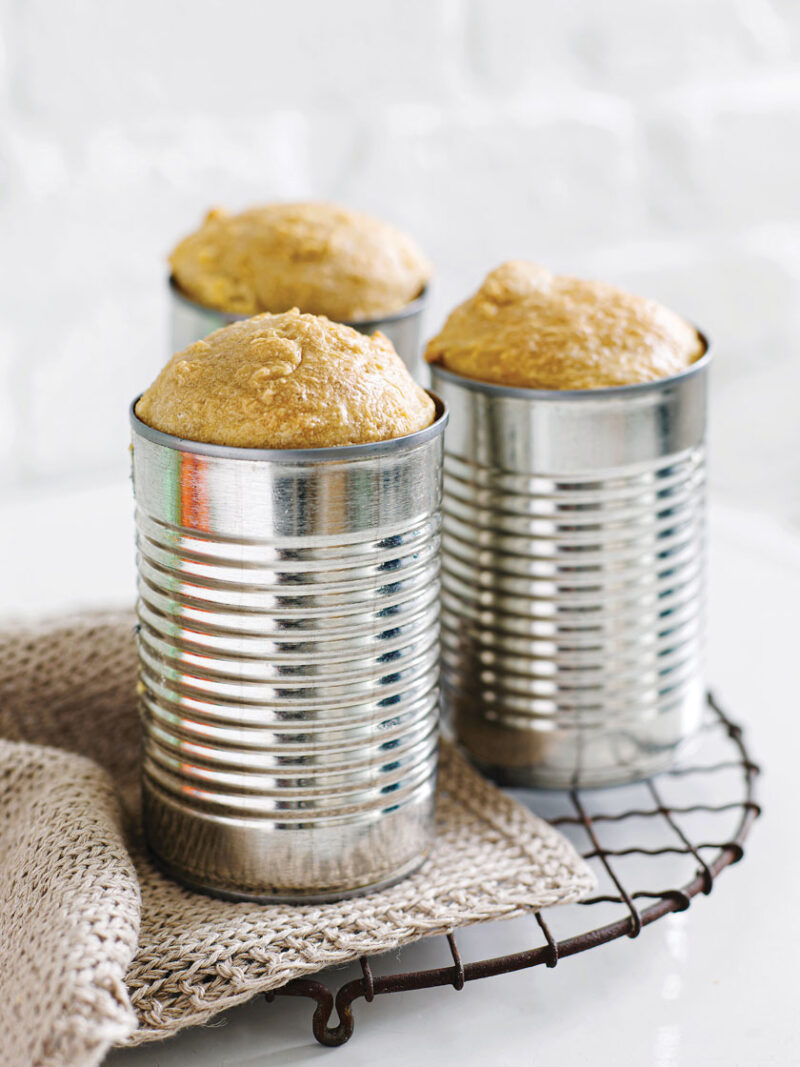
x=588, y=814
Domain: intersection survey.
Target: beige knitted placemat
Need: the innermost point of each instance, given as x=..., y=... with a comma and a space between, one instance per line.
x=98, y=947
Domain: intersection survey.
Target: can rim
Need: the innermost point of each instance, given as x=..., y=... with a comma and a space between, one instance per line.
x=413, y=307
x=296, y=455
x=554, y=395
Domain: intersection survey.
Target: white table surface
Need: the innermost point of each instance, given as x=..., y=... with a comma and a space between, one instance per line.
x=714, y=985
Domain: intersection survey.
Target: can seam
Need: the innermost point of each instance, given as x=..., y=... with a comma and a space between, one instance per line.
x=300, y=456
x=406, y=311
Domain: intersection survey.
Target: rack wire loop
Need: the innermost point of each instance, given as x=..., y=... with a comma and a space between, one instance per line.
x=552, y=944
x=458, y=966
x=369, y=983
x=630, y=924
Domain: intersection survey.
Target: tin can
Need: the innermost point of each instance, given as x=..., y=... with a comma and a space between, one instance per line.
x=573, y=576
x=288, y=661
x=191, y=322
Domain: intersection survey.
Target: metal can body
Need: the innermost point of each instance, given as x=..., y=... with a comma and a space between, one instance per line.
x=573, y=576
x=191, y=322
x=288, y=648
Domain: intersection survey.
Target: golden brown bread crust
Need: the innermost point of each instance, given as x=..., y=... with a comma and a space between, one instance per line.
x=321, y=258
x=528, y=328
x=286, y=381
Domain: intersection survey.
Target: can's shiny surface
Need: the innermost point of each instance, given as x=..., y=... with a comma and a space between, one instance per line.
x=288, y=649
x=191, y=322
x=573, y=576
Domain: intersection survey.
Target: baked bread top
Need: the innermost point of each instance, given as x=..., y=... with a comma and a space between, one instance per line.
x=321, y=258
x=286, y=381
x=529, y=328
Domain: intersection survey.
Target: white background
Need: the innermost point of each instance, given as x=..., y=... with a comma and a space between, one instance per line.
x=655, y=143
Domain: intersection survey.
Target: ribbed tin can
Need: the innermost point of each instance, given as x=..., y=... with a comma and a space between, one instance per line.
x=573, y=576
x=288, y=661
x=191, y=322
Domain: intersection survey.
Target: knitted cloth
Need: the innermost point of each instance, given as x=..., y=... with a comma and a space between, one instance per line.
x=97, y=947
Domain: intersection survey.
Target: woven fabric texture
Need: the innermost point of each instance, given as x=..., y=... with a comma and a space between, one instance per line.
x=98, y=947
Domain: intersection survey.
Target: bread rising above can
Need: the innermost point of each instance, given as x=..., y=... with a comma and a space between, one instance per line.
x=286, y=381
x=319, y=257
x=529, y=328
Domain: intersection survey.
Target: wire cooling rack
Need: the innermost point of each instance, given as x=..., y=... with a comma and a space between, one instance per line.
x=648, y=824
